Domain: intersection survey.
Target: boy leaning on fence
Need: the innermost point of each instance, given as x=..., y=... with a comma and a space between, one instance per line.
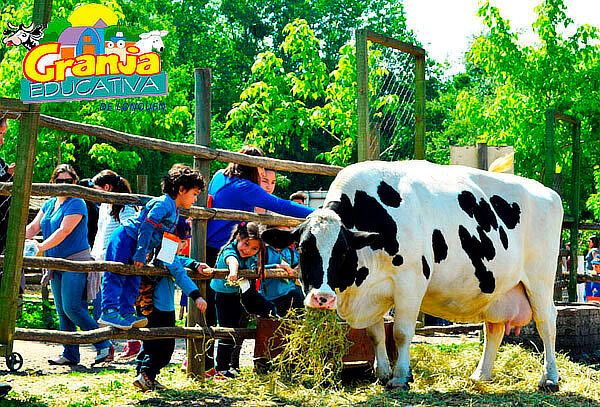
x=157, y=303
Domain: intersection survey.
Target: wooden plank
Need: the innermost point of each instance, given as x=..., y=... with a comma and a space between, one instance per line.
x=393, y=43
x=95, y=195
x=100, y=334
x=574, y=204
x=55, y=263
x=12, y=105
x=565, y=118
x=186, y=149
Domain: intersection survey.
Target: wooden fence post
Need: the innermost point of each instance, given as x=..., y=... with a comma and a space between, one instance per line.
x=142, y=184
x=576, y=177
x=19, y=207
x=362, y=96
x=420, y=107
x=196, y=348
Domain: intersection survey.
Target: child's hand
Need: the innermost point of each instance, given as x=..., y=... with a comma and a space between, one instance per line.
x=201, y=304
x=201, y=268
x=288, y=269
x=138, y=264
x=232, y=277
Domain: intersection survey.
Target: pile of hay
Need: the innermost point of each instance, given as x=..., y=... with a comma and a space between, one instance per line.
x=313, y=344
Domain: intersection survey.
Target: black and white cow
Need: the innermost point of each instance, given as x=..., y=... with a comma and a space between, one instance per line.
x=455, y=242
x=28, y=37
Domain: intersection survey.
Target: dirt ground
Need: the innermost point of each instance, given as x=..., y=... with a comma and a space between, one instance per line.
x=36, y=354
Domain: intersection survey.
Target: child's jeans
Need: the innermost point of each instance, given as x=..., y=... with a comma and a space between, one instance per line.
x=118, y=291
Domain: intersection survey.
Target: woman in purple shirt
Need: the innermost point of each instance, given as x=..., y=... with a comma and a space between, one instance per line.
x=63, y=223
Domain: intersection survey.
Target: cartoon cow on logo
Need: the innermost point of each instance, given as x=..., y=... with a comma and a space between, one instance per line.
x=20, y=35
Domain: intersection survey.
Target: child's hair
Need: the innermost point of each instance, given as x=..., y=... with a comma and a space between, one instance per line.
x=244, y=171
x=181, y=175
x=118, y=184
x=251, y=230
x=594, y=240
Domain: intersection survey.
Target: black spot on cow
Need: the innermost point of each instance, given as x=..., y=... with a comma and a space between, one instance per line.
x=477, y=250
x=440, y=248
x=509, y=213
x=397, y=260
x=503, y=238
x=311, y=262
x=361, y=275
x=426, y=271
x=343, y=208
x=370, y=216
x=482, y=212
x=388, y=195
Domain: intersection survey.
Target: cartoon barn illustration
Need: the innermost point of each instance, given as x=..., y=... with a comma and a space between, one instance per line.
x=77, y=41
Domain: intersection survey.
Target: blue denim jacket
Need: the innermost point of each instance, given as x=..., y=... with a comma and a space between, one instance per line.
x=158, y=216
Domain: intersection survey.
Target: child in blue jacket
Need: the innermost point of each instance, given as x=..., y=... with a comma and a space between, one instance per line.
x=139, y=239
x=245, y=250
x=283, y=292
x=156, y=354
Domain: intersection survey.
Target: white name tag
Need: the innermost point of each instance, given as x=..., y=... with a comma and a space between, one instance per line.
x=168, y=248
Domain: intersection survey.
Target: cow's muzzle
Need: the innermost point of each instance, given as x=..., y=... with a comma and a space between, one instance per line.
x=320, y=299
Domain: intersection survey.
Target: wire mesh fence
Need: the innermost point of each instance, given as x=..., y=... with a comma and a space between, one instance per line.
x=391, y=98
x=392, y=101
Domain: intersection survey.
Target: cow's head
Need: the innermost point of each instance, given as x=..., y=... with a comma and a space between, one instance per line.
x=328, y=257
x=21, y=35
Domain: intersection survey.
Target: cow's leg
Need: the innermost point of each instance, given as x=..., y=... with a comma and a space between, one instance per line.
x=493, y=337
x=544, y=314
x=382, y=363
x=404, y=330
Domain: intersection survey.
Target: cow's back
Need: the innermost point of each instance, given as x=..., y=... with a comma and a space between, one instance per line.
x=473, y=234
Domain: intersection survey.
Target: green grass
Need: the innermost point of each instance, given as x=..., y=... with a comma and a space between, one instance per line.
x=441, y=379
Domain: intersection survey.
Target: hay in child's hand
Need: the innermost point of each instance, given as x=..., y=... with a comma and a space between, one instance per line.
x=314, y=343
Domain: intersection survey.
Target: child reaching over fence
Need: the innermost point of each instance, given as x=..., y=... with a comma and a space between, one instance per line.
x=245, y=250
x=141, y=238
x=157, y=298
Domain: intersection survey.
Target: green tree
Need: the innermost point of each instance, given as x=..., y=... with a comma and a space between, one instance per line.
x=514, y=84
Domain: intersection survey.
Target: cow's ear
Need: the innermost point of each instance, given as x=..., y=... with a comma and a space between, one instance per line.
x=281, y=239
x=358, y=240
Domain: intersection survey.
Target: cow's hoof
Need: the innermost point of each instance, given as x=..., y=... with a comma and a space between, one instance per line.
x=548, y=386
x=480, y=377
x=398, y=384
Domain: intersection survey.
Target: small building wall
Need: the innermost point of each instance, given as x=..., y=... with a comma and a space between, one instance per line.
x=577, y=329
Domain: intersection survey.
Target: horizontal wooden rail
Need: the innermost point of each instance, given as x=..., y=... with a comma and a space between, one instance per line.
x=52, y=263
x=94, y=195
x=100, y=334
x=449, y=329
x=199, y=151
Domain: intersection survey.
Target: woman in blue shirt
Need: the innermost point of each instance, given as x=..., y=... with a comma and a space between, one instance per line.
x=63, y=223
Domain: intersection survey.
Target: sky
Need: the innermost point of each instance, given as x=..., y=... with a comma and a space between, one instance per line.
x=445, y=27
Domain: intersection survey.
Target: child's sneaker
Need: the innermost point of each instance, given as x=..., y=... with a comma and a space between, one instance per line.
x=105, y=355
x=135, y=322
x=112, y=318
x=130, y=350
x=214, y=374
x=143, y=382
